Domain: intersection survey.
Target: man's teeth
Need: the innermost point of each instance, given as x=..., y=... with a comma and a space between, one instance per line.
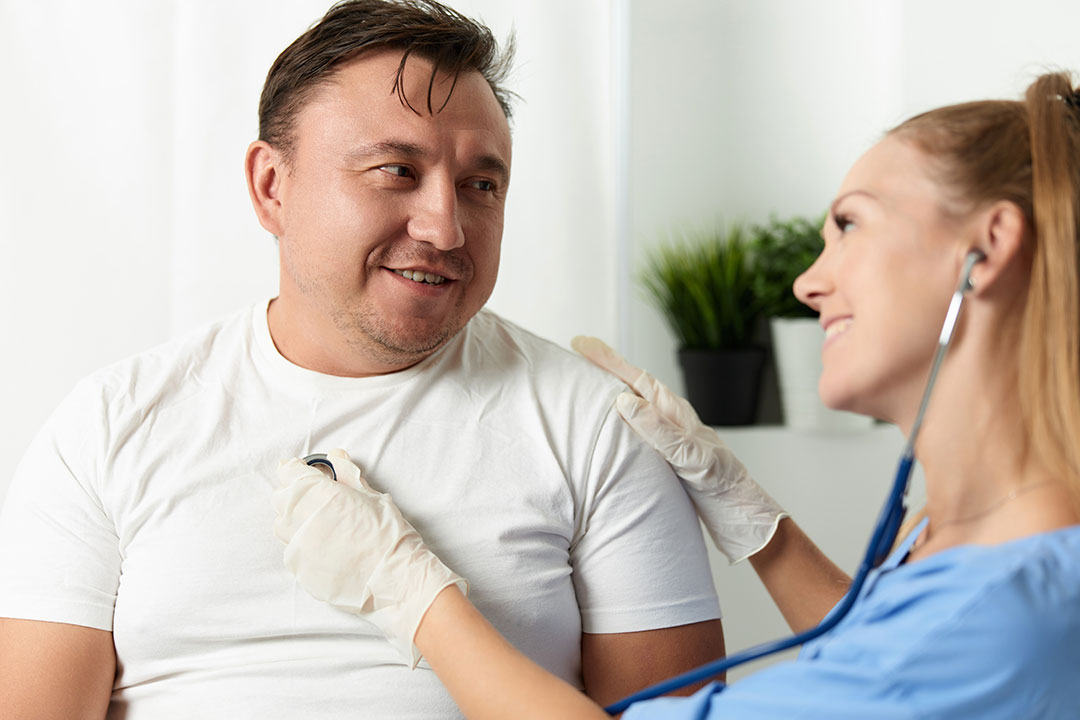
x=837, y=327
x=421, y=277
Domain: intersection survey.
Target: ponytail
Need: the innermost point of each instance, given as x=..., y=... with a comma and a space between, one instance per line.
x=1050, y=341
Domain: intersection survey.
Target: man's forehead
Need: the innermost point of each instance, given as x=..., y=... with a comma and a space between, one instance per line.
x=414, y=84
x=359, y=114
x=371, y=82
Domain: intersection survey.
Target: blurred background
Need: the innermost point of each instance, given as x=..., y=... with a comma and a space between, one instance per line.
x=124, y=217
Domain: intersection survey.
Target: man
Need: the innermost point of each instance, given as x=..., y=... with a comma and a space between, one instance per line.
x=141, y=575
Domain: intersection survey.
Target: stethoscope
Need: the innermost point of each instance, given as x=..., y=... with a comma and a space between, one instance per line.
x=881, y=540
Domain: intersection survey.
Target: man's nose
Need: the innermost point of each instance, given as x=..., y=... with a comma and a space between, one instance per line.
x=435, y=217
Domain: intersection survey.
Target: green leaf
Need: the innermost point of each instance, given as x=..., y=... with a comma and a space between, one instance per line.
x=704, y=286
x=783, y=250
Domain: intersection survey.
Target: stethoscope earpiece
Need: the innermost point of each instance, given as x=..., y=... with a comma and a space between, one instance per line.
x=974, y=257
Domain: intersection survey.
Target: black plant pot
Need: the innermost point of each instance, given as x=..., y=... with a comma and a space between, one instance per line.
x=723, y=385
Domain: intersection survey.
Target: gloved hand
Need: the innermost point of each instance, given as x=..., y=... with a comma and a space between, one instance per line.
x=349, y=546
x=739, y=515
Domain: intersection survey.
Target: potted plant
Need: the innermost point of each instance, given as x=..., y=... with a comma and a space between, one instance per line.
x=783, y=249
x=704, y=286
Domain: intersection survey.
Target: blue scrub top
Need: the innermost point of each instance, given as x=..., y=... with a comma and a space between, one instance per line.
x=970, y=632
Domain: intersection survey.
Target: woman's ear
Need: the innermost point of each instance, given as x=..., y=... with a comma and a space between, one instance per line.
x=1001, y=230
x=264, y=169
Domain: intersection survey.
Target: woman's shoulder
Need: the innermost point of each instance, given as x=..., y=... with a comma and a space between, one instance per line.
x=987, y=632
x=1031, y=588
x=1034, y=579
x=1040, y=570
x=1009, y=631
x=966, y=571
x=1007, y=616
x=1013, y=608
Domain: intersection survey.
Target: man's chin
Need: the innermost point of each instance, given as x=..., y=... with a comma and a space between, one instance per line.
x=412, y=342
x=411, y=349
x=397, y=340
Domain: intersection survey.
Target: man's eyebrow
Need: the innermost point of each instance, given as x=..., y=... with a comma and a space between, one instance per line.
x=407, y=150
x=494, y=164
x=386, y=147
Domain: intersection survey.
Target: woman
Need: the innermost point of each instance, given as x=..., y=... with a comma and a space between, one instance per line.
x=977, y=611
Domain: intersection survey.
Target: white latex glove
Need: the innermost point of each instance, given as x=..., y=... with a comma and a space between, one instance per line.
x=349, y=546
x=739, y=515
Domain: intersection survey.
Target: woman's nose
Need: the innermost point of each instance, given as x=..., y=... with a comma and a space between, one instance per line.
x=813, y=285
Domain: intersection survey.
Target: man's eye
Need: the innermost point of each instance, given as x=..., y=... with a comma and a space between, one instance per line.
x=483, y=185
x=397, y=170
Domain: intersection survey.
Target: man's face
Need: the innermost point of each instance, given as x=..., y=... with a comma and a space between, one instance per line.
x=389, y=221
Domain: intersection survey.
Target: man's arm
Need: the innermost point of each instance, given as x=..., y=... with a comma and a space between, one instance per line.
x=618, y=664
x=641, y=572
x=54, y=671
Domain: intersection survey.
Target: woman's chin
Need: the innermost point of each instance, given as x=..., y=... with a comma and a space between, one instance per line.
x=846, y=400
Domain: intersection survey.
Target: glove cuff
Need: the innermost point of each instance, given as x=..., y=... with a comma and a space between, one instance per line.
x=741, y=522
x=412, y=582
x=410, y=651
x=737, y=553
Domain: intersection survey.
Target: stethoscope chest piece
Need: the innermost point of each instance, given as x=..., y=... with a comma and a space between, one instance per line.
x=321, y=459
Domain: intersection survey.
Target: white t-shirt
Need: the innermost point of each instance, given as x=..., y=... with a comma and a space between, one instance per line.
x=143, y=507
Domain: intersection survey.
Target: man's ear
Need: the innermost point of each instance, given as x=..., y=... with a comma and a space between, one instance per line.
x=264, y=169
x=1001, y=233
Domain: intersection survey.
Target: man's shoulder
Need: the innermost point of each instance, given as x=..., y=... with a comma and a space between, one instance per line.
x=510, y=345
x=173, y=363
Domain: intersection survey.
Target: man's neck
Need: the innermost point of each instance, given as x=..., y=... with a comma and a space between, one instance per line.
x=320, y=347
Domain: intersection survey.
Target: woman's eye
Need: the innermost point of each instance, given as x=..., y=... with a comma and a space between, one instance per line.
x=844, y=223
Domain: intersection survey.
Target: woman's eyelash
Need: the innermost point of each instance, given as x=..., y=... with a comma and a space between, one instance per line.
x=841, y=221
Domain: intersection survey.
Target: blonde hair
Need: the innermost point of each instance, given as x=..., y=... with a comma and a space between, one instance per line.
x=1027, y=152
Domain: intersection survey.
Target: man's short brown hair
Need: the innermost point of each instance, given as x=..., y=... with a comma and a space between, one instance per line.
x=452, y=43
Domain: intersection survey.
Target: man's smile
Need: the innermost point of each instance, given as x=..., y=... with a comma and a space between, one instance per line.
x=420, y=276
